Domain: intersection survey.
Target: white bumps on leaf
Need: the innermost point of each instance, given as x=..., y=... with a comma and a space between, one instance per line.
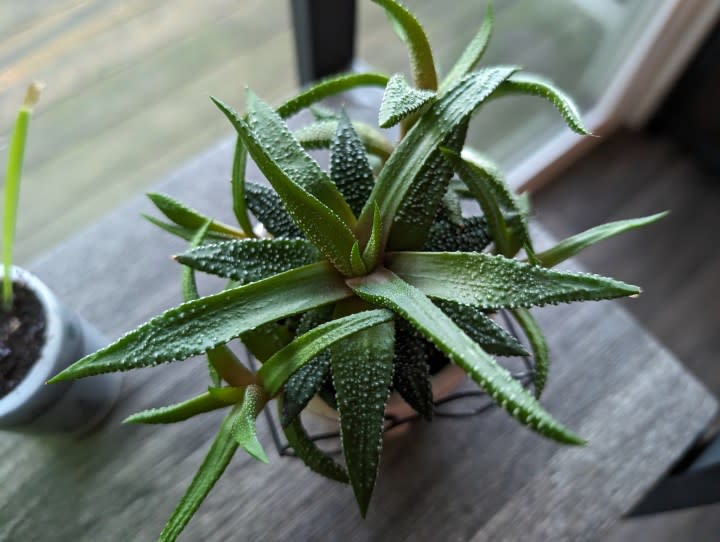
x=401, y=100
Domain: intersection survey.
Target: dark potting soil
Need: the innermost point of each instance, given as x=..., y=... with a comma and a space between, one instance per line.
x=22, y=335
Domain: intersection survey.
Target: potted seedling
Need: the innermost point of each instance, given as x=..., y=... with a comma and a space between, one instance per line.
x=39, y=336
x=367, y=281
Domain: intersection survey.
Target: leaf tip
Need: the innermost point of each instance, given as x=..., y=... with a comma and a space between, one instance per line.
x=255, y=449
x=33, y=94
x=62, y=376
x=363, y=502
x=356, y=261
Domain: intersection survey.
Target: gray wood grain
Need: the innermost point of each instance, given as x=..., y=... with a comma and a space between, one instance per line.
x=675, y=260
x=484, y=478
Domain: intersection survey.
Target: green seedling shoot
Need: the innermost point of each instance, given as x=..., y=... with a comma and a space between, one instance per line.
x=16, y=154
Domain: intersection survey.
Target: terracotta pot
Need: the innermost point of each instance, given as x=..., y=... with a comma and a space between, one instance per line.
x=67, y=407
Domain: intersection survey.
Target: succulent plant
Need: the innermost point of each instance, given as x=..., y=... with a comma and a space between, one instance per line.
x=368, y=280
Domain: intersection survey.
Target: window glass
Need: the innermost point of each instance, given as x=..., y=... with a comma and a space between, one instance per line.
x=128, y=81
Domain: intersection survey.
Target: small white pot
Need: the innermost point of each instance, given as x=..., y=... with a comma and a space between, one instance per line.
x=66, y=407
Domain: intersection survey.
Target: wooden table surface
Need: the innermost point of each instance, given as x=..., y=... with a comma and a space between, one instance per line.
x=484, y=478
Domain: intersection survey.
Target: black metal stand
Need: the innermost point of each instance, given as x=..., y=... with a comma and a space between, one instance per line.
x=694, y=481
x=324, y=37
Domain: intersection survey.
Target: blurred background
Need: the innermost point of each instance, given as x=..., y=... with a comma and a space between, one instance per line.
x=127, y=102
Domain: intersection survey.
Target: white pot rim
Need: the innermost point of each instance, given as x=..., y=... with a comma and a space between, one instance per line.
x=44, y=367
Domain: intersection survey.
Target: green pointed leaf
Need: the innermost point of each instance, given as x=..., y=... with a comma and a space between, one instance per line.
x=279, y=146
x=184, y=233
x=308, y=452
x=244, y=430
x=493, y=282
x=388, y=290
x=472, y=53
x=409, y=30
x=536, y=85
x=270, y=211
x=425, y=197
x=186, y=217
x=250, y=260
x=349, y=167
x=515, y=208
x=401, y=100
x=539, y=346
x=481, y=329
x=472, y=235
x=419, y=145
x=237, y=186
x=322, y=226
x=197, y=326
x=275, y=371
x=303, y=385
x=330, y=87
x=356, y=261
x=215, y=463
x=506, y=221
x=411, y=377
x=319, y=135
x=362, y=372
x=372, y=252
x=567, y=248
x=180, y=411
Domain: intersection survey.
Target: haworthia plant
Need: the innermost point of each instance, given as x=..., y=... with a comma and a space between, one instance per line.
x=366, y=278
